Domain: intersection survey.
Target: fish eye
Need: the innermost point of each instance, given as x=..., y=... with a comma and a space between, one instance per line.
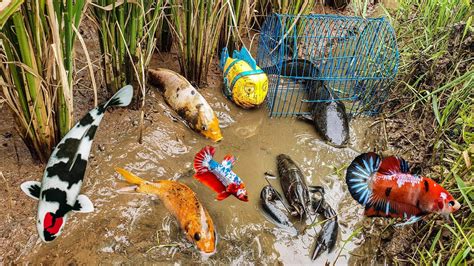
x=197, y=236
x=204, y=127
x=451, y=203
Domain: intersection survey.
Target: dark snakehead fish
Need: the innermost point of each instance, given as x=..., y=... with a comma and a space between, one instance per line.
x=293, y=186
x=329, y=117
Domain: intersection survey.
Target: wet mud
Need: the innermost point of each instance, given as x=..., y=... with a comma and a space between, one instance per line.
x=136, y=228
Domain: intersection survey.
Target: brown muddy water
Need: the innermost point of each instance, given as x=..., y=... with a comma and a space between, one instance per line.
x=128, y=227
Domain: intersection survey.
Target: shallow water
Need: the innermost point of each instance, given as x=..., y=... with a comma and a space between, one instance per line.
x=136, y=228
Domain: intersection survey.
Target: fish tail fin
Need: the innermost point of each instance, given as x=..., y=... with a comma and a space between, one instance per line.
x=129, y=177
x=359, y=174
x=202, y=159
x=123, y=97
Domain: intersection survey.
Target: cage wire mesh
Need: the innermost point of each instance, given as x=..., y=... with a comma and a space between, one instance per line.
x=319, y=58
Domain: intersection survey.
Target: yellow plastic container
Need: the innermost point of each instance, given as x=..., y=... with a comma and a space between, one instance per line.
x=247, y=86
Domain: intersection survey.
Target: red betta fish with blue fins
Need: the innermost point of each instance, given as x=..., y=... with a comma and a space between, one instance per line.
x=219, y=176
x=386, y=188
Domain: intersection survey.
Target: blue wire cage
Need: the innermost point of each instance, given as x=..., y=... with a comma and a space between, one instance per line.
x=356, y=60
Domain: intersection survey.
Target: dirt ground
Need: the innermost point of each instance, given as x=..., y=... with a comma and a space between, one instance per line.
x=127, y=225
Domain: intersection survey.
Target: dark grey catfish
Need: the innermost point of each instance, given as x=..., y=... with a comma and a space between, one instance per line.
x=327, y=237
x=273, y=207
x=329, y=117
x=293, y=186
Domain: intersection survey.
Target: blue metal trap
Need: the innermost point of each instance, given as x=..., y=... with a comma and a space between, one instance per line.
x=320, y=58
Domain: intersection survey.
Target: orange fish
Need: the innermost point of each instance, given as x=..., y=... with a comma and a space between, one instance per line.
x=182, y=202
x=386, y=188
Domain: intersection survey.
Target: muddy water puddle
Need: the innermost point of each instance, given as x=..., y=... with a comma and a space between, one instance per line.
x=136, y=228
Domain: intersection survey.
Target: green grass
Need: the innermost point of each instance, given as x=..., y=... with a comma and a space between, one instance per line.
x=37, y=43
x=196, y=27
x=436, y=70
x=127, y=37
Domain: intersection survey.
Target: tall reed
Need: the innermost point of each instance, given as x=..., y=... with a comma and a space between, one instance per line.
x=7, y=8
x=197, y=25
x=237, y=24
x=37, y=68
x=127, y=39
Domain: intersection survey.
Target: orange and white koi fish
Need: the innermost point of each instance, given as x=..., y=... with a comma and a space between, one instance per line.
x=182, y=202
x=187, y=102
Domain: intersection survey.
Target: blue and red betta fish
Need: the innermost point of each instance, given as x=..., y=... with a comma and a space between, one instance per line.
x=219, y=177
x=386, y=188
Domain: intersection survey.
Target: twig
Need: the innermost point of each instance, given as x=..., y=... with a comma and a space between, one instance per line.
x=10, y=204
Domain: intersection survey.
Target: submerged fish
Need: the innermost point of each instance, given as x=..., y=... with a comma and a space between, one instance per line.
x=183, y=204
x=187, y=102
x=272, y=204
x=386, y=188
x=58, y=192
x=329, y=118
x=293, y=185
x=219, y=177
x=326, y=239
x=327, y=114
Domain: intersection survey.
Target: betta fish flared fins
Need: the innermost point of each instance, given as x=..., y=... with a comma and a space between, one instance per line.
x=218, y=177
x=58, y=193
x=386, y=188
x=359, y=174
x=201, y=163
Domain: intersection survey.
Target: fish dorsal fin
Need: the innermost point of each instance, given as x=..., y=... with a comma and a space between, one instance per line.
x=228, y=161
x=393, y=165
x=203, y=158
x=210, y=180
x=83, y=204
x=31, y=188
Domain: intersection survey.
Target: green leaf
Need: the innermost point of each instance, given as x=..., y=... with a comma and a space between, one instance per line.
x=436, y=109
x=7, y=11
x=462, y=188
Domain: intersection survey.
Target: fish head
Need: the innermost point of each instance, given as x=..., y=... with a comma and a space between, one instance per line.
x=268, y=193
x=49, y=224
x=208, y=125
x=445, y=203
x=238, y=190
x=242, y=194
x=202, y=233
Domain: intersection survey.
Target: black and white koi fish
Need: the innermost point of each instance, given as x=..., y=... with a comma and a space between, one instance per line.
x=58, y=193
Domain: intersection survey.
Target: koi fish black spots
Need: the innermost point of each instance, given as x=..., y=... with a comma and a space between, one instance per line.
x=65, y=169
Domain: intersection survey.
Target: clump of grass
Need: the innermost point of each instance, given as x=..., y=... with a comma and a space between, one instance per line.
x=436, y=70
x=196, y=26
x=37, y=67
x=127, y=39
x=236, y=23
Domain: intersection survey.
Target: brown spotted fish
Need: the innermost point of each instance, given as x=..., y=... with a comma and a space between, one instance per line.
x=187, y=102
